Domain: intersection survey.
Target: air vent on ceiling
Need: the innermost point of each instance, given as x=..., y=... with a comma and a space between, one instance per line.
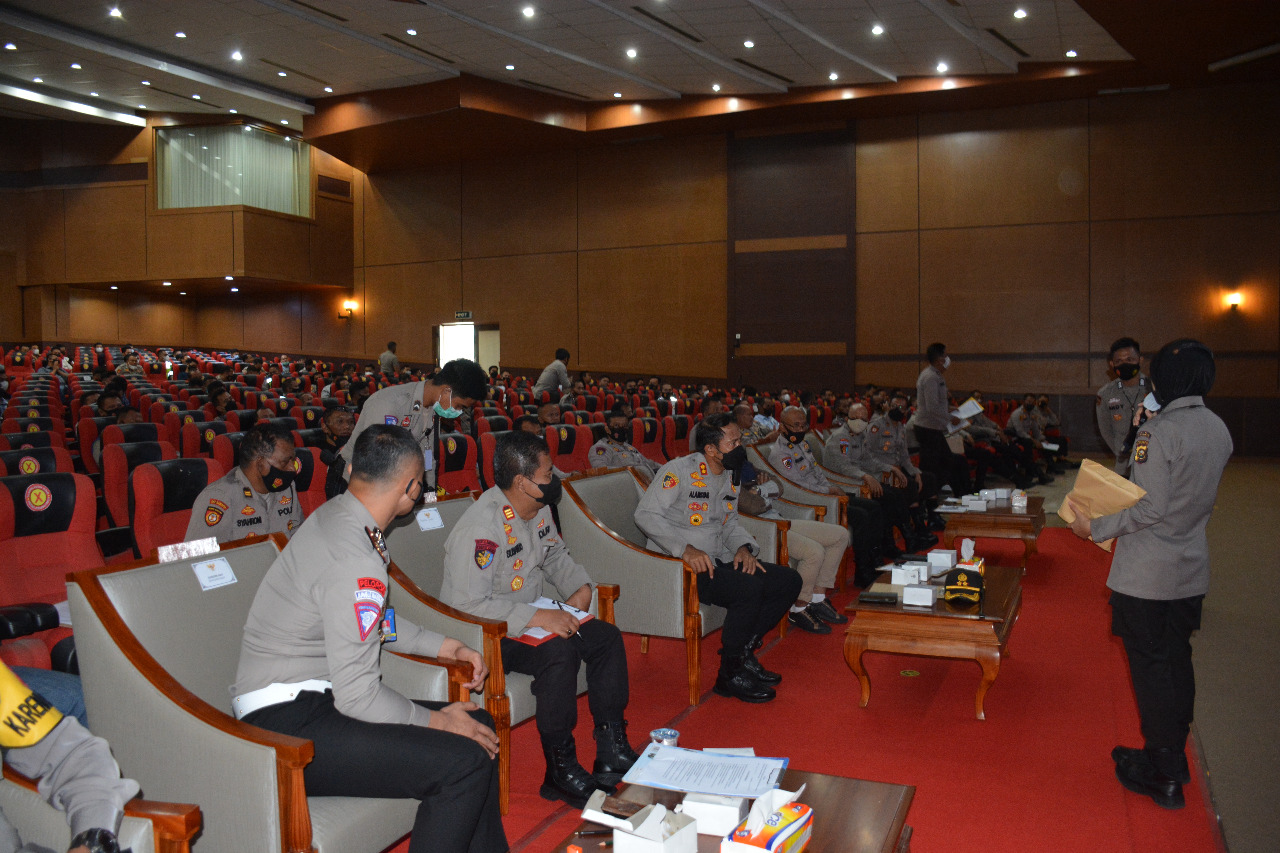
x=772, y=74
x=333, y=186
x=421, y=50
x=547, y=88
x=690, y=36
x=1008, y=43
x=321, y=11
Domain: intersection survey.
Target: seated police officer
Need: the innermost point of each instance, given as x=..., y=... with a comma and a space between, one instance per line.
x=418, y=407
x=257, y=496
x=336, y=425
x=309, y=665
x=690, y=511
x=615, y=449
x=504, y=554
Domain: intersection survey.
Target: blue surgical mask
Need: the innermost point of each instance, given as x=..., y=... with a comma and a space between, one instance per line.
x=448, y=414
x=1150, y=403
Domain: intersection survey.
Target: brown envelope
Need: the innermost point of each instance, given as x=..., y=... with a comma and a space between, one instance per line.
x=1100, y=491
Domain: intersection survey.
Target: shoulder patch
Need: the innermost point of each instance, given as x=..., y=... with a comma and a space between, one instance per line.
x=1140, y=450
x=485, y=549
x=670, y=481
x=786, y=462
x=212, y=516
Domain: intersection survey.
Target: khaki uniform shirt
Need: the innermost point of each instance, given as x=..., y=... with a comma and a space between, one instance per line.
x=318, y=614
x=797, y=463
x=884, y=445
x=982, y=428
x=607, y=453
x=932, y=411
x=388, y=363
x=1178, y=457
x=400, y=405
x=230, y=509
x=1115, y=408
x=496, y=563
x=843, y=452
x=553, y=377
x=1026, y=425
x=687, y=505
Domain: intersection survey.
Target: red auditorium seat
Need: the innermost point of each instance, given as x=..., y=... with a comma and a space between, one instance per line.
x=308, y=437
x=23, y=440
x=173, y=422
x=36, y=460
x=160, y=409
x=129, y=433
x=118, y=461
x=161, y=495
x=310, y=480
x=491, y=423
x=646, y=436
x=226, y=448
x=456, y=463
x=239, y=420
x=11, y=425
x=308, y=417
x=30, y=410
x=488, y=444
x=198, y=436
x=675, y=436
x=569, y=444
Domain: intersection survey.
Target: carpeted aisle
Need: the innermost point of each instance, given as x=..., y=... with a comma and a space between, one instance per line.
x=1036, y=775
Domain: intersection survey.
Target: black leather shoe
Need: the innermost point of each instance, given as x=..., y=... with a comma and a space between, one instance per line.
x=1173, y=762
x=566, y=779
x=752, y=664
x=614, y=755
x=824, y=611
x=1142, y=777
x=922, y=542
x=937, y=522
x=806, y=621
x=736, y=682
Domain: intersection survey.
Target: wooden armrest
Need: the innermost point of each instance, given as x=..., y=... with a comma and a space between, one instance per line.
x=606, y=595
x=460, y=672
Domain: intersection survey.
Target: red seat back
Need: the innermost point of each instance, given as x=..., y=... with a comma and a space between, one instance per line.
x=161, y=495
x=118, y=460
x=310, y=480
x=488, y=444
x=46, y=530
x=129, y=434
x=569, y=444
x=226, y=447
x=35, y=460
x=675, y=435
x=198, y=436
x=646, y=436
x=456, y=463
x=22, y=440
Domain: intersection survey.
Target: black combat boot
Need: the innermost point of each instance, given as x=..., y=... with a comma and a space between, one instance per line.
x=566, y=779
x=735, y=681
x=753, y=666
x=614, y=755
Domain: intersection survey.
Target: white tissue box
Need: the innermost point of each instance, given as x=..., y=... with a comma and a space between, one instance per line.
x=1018, y=500
x=972, y=503
x=918, y=595
x=909, y=574
x=714, y=815
x=942, y=559
x=987, y=494
x=1003, y=494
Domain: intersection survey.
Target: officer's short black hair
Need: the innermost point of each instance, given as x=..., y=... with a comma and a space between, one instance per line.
x=391, y=345
x=107, y=394
x=1123, y=343
x=519, y=422
x=711, y=430
x=260, y=441
x=518, y=454
x=381, y=451
x=467, y=379
x=615, y=413
x=563, y=355
x=935, y=352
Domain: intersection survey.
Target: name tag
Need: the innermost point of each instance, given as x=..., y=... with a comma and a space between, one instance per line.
x=214, y=573
x=428, y=459
x=429, y=519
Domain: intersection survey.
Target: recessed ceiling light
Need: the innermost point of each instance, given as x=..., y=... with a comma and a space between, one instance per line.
x=167, y=283
x=204, y=147
x=1071, y=54
x=195, y=97
x=715, y=87
x=748, y=44
x=833, y=76
x=1019, y=13
x=877, y=30
x=37, y=79
x=146, y=82
x=527, y=11
x=76, y=66
x=182, y=293
x=617, y=94
x=942, y=67
x=412, y=32
x=237, y=55
x=288, y=139
x=282, y=73
x=284, y=121
x=179, y=35
x=235, y=290
x=113, y=287
x=328, y=88
x=233, y=111
x=230, y=278
x=511, y=68
x=142, y=106
x=115, y=12
x=93, y=94
x=10, y=46
x=631, y=53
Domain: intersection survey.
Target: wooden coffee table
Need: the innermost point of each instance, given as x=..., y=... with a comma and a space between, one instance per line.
x=944, y=631
x=999, y=521
x=849, y=815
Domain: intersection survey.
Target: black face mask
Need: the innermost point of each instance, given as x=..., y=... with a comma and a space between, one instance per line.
x=278, y=480
x=734, y=459
x=1126, y=371
x=897, y=415
x=620, y=435
x=550, y=491
x=793, y=437
x=1028, y=406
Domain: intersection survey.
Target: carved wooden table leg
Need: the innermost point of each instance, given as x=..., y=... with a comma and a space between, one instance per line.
x=854, y=646
x=989, y=659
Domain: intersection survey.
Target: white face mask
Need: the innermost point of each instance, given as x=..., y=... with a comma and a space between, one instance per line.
x=1150, y=404
x=946, y=362
x=857, y=425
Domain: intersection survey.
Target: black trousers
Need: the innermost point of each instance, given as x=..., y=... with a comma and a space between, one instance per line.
x=895, y=503
x=554, y=666
x=936, y=458
x=867, y=526
x=334, y=483
x=1157, y=640
x=755, y=602
x=452, y=777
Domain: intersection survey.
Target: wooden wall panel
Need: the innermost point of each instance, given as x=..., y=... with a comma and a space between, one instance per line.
x=10, y=297
x=106, y=228
x=793, y=296
x=275, y=247
x=659, y=309
x=403, y=302
x=68, y=144
x=46, y=237
x=888, y=292
x=533, y=298
x=158, y=320
x=94, y=316
x=791, y=185
x=413, y=217
x=190, y=245
x=1161, y=279
x=1183, y=153
x=272, y=323
x=520, y=205
x=39, y=318
x=653, y=193
x=1006, y=289
x=890, y=374
x=1005, y=167
x=1019, y=376
x=332, y=242
x=218, y=323
x=322, y=332
x=887, y=174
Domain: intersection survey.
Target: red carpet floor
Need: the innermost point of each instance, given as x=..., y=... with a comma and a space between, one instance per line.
x=1035, y=776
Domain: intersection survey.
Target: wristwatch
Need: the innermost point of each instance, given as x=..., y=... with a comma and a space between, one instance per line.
x=96, y=840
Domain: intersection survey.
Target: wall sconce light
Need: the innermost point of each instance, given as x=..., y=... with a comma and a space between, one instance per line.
x=348, y=311
x=1234, y=300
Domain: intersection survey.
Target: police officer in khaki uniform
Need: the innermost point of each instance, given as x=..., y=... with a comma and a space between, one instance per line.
x=1160, y=571
x=257, y=496
x=310, y=665
x=1119, y=399
x=504, y=554
x=615, y=450
x=76, y=771
x=418, y=407
x=554, y=377
x=690, y=511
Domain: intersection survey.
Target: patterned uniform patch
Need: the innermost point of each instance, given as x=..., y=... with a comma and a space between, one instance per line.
x=485, y=549
x=786, y=462
x=517, y=565
x=1140, y=450
x=670, y=481
x=248, y=510
x=212, y=516
x=695, y=520
x=508, y=513
x=516, y=583
x=391, y=420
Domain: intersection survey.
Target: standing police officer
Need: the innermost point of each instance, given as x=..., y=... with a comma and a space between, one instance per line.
x=257, y=496
x=1119, y=399
x=1160, y=571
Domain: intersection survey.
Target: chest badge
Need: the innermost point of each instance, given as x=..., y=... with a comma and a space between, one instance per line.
x=379, y=544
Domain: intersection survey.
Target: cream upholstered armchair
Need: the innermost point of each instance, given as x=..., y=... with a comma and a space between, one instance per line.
x=157, y=657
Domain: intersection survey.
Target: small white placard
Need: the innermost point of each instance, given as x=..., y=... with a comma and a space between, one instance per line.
x=429, y=519
x=187, y=550
x=214, y=573
x=64, y=613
